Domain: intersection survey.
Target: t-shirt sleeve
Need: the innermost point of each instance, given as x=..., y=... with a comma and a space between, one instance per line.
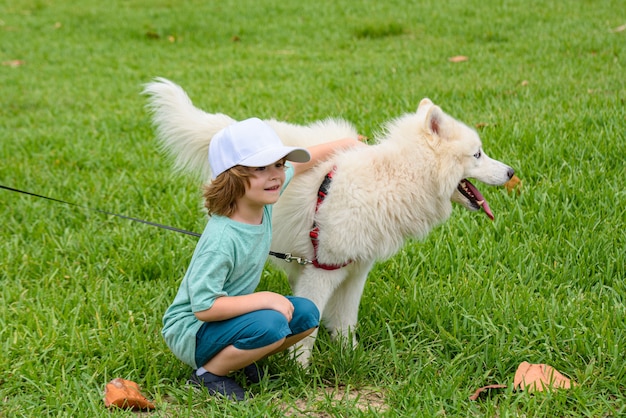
x=289, y=172
x=206, y=277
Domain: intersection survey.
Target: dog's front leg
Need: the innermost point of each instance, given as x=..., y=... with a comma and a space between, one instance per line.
x=341, y=313
x=303, y=349
x=318, y=285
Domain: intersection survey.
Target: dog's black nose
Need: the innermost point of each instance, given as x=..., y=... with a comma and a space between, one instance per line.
x=510, y=172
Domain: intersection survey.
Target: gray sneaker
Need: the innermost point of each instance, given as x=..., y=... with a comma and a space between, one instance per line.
x=254, y=374
x=218, y=385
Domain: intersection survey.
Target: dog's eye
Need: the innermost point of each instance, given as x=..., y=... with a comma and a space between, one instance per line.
x=477, y=155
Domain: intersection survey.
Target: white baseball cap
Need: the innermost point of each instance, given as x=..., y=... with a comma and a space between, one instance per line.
x=251, y=143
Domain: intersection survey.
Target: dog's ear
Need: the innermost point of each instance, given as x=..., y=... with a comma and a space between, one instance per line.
x=422, y=108
x=424, y=103
x=434, y=123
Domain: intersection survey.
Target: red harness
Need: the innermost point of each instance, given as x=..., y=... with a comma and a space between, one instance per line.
x=315, y=231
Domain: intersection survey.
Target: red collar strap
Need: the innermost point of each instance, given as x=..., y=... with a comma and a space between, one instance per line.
x=315, y=231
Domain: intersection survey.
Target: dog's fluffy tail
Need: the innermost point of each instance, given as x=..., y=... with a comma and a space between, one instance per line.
x=183, y=131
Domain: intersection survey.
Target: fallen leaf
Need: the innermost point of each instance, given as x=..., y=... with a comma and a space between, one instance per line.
x=514, y=184
x=484, y=389
x=538, y=377
x=619, y=29
x=458, y=58
x=13, y=63
x=123, y=393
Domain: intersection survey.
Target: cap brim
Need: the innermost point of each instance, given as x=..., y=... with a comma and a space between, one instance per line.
x=271, y=155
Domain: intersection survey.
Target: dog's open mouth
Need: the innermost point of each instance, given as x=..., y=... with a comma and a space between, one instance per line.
x=477, y=200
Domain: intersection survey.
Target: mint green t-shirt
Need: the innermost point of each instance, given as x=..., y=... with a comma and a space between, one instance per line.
x=228, y=261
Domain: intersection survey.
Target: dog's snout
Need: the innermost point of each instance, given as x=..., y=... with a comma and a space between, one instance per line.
x=510, y=172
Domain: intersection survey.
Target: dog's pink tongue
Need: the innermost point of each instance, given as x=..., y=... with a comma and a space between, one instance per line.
x=485, y=207
x=480, y=199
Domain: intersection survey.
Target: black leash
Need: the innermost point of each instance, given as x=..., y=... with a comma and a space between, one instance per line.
x=170, y=228
x=283, y=256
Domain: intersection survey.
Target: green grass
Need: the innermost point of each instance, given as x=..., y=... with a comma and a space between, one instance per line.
x=82, y=295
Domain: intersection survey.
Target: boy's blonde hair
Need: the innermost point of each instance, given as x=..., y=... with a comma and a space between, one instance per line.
x=220, y=196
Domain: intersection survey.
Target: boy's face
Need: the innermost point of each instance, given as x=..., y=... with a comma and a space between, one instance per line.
x=265, y=184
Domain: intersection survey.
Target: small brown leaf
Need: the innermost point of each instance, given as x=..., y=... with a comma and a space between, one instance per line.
x=619, y=29
x=458, y=58
x=13, y=63
x=123, y=393
x=538, y=377
x=515, y=184
x=478, y=392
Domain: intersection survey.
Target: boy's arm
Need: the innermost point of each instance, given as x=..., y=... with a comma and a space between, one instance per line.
x=226, y=307
x=323, y=151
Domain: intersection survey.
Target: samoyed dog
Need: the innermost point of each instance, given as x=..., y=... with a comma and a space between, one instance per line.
x=372, y=198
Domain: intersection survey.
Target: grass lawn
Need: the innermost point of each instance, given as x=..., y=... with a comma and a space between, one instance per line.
x=82, y=294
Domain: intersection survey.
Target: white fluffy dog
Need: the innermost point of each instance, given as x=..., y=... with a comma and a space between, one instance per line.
x=380, y=195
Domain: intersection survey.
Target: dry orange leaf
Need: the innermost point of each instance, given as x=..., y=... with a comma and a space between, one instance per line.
x=125, y=394
x=621, y=28
x=514, y=184
x=537, y=377
x=476, y=394
x=458, y=58
x=481, y=125
x=13, y=63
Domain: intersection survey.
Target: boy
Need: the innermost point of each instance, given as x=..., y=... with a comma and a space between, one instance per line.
x=217, y=323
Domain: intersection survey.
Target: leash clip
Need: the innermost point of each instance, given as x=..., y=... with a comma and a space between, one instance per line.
x=300, y=260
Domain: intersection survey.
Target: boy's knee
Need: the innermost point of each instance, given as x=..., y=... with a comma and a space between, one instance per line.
x=272, y=325
x=305, y=307
x=268, y=328
x=306, y=314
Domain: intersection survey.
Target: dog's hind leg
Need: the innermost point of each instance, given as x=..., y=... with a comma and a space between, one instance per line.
x=317, y=285
x=303, y=349
x=342, y=310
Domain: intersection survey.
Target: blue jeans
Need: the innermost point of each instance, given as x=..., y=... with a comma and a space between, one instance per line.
x=255, y=329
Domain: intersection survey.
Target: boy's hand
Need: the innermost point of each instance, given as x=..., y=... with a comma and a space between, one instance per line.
x=279, y=303
x=322, y=152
